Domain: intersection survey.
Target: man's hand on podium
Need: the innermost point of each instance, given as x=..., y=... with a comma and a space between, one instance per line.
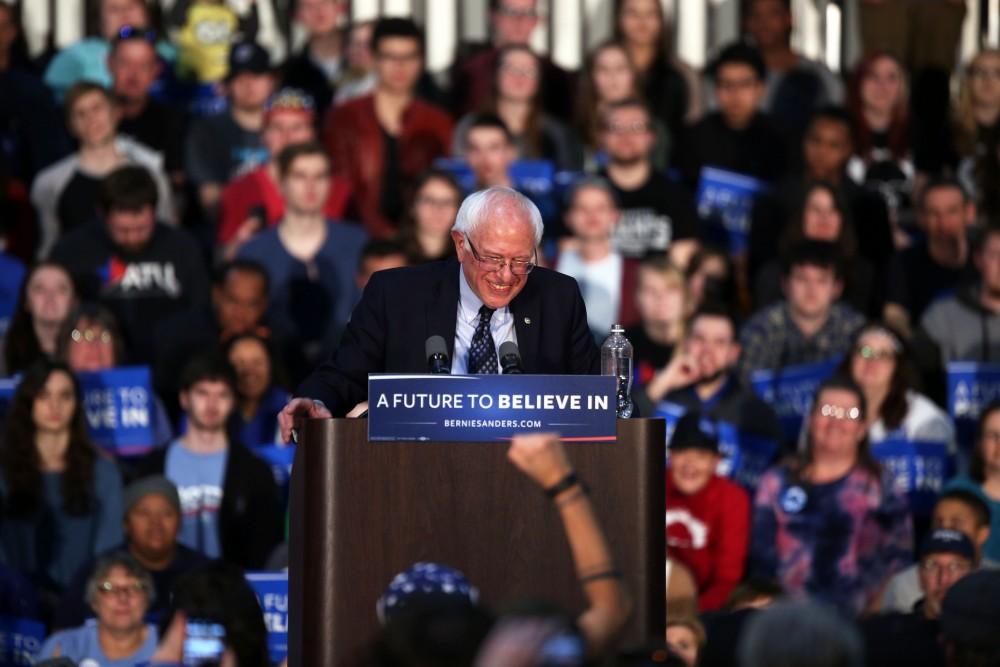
x=296, y=412
x=541, y=457
x=359, y=410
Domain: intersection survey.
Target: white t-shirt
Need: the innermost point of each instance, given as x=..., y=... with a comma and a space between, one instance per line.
x=601, y=285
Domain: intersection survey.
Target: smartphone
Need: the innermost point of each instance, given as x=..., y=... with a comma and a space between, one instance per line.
x=204, y=643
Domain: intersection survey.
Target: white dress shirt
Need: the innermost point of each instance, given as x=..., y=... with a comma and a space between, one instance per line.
x=501, y=326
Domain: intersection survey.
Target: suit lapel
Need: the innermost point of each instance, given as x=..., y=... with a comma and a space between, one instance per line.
x=527, y=312
x=442, y=307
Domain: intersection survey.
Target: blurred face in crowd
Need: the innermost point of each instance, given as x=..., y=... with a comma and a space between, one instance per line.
x=208, y=404
x=836, y=428
x=989, y=442
x=240, y=301
x=938, y=572
x=811, y=290
x=91, y=347
x=826, y=149
x=628, y=136
x=711, y=345
x=8, y=29
x=94, y=119
x=307, y=184
x=769, y=23
x=883, y=86
x=506, y=233
x=374, y=264
x=954, y=514
x=490, y=155
x=435, y=207
x=988, y=263
x=945, y=213
x=660, y=300
x=518, y=77
x=398, y=63
x=49, y=295
x=55, y=405
x=514, y=21
x=319, y=17
x=692, y=468
x=134, y=66
x=120, y=601
x=131, y=230
x=984, y=80
x=739, y=91
x=359, y=48
x=151, y=527
x=253, y=367
x=712, y=270
x=285, y=128
x=640, y=22
x=873, y=361
x=116, y=14
x=682, y=641
x=614, y=78
x=248, y=91
x=821, y=219
x=593, y=214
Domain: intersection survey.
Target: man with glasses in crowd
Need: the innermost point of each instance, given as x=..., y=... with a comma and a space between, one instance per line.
x=493, y=294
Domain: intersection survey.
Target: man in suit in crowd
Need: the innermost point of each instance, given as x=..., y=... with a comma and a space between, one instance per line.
x=493, y=294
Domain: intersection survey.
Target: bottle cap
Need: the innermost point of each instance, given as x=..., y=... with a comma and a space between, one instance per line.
x=617, y=328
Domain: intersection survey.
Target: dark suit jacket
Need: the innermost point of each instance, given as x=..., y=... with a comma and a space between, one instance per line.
x=402, y=308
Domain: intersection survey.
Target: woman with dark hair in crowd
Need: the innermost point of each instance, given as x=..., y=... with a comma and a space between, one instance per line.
x=711, y=277
x=426, y=231
x=47, y=296
x=119, y=591
x=670, y=87
x=825, y=523
x=984, y=474
x=823, y=215
x=517, y=100
x=609, y=76
x=977, y=130
x=62, y=499
x=90, y=340
x=258, y=388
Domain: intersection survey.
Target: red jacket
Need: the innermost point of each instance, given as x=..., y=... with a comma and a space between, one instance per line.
x=710, y=532
x=256, y=188
x=353, y=136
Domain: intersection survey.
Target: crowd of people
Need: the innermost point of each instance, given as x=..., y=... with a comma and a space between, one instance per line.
x=801, y=261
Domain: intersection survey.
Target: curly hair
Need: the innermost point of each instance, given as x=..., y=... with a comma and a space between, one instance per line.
x=20, y=462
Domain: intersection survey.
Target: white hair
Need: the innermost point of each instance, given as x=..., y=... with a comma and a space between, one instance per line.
x=475, y=207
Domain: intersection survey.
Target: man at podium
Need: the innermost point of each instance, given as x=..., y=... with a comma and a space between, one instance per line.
x=495, y=293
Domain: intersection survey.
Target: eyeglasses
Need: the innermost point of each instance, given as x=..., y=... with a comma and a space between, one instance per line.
x=437, y=202
x=518, y=267
x=108, y=589
x=951, y=567
x=91, y=336
x=839, y=412
x=869, y=352
x=511, y=13
x=131, y=32
x=627, y=128
x=984, y=73
x=524, y=72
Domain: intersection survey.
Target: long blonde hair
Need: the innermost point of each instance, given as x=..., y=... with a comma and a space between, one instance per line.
x=964, y=120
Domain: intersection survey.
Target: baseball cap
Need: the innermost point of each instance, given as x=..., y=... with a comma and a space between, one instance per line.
x=970, y=613
x=157, y=484
x=291, y=100
x=248, y=57
x=694, y=432
x=945, y=541
x=425, y=584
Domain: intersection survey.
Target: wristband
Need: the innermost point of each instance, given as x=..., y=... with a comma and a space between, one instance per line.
x=606, y=574
x=565, y=483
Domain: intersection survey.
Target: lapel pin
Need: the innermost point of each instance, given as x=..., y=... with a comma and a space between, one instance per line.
x=527, y=320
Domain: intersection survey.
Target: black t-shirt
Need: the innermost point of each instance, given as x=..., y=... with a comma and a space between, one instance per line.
x=757, y=150
x=648, y=356
x=653, y=215
x=915, y=279
x=218, y=149
x=161, y=127
x=77, y=205
x=392, y=196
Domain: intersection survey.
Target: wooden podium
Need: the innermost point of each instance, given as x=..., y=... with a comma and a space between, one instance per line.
x=362, y=512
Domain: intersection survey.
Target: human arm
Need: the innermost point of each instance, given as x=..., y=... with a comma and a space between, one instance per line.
x=542, y=457
x=762, y=559
x=733, y=532
x=680, y=372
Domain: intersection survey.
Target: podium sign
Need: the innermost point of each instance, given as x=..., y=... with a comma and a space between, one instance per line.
x=487, y=408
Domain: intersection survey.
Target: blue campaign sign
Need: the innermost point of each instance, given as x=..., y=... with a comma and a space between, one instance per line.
x=272, y=593
x=725, y=201
x=487, y=408
x=790, y=390
x=7, y=388
x=745, y=456
x=918, y=470
x=118, y=405
x=20, y=640
x=971, y=387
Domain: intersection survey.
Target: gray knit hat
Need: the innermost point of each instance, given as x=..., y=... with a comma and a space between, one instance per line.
x=141, y=488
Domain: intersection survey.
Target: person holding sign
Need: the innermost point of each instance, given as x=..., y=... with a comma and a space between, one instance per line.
x=984, y=474
x=62, y=499
x=494, y=294
x=825, y=523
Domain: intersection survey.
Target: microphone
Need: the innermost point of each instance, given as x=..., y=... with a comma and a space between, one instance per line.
x=438, y=362
x=510, y=358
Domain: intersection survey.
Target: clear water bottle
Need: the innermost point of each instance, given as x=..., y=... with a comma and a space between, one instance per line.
x=616, y=359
